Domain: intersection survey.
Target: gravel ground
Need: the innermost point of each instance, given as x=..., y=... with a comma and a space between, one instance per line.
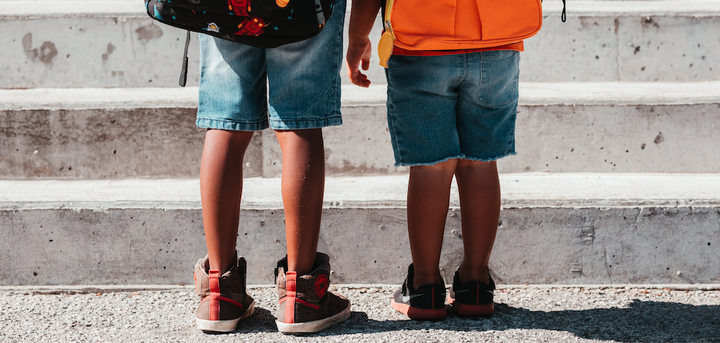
x=523, y=314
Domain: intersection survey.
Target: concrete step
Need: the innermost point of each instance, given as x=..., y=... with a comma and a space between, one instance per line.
x=112, y=43
x=554, y=229
x=562, y=127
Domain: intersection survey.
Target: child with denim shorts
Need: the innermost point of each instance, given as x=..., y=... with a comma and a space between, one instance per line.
x=451, y=113
x=304, y=96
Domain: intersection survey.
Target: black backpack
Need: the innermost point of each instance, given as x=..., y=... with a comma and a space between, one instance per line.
x=260, y=23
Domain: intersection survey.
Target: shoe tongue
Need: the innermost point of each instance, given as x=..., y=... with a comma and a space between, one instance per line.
x=205, y=263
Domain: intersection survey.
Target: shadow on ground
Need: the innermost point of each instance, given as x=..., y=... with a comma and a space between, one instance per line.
x=261, y=321
x=645, y=321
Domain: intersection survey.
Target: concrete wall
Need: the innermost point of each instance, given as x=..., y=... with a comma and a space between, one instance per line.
x=640, y=138
x=159, y=142
x=105, y=143
x=93, y=51
x=601, y=41
x=535, y=245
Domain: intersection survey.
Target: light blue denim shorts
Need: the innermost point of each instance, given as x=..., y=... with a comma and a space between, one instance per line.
x=460, y=106
x=303, y=80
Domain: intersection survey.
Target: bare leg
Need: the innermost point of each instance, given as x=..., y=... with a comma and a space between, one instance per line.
x=221, y=182
x=303, y=186
x=479, y=189
x=428, y=200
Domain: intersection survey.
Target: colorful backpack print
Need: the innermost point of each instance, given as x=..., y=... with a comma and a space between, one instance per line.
x=260, y=23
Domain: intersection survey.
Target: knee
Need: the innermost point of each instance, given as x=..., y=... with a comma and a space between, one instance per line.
x=310, y=139
x=470, y=166
x=446, y=169
x=304, y=134
x=233, y=138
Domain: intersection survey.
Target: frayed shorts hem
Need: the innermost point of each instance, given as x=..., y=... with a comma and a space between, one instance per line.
x=305, y=124
x=230, y=125
x=459, y=157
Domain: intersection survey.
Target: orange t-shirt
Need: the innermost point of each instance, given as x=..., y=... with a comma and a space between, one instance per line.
x=519, y=46
x=467, y=27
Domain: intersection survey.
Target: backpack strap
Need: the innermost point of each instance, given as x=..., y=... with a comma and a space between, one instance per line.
x=387, y=40
x=183, y=71
x=321, y=14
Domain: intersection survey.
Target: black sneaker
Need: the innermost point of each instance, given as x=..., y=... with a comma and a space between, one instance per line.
x=425, y=303
x=473, y=298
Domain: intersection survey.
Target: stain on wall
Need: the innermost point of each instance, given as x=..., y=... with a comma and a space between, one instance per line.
x=110, y=49
x=44, y=54
x=149, y=32
x=659, y=138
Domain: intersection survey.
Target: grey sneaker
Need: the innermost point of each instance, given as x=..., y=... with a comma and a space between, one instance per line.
x=224, y=299
x=305, y=305
x=427, y=302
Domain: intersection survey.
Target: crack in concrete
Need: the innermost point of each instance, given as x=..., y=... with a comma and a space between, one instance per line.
x=607, y=264
x=637, y=220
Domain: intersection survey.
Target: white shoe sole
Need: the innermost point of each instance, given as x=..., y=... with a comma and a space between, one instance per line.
x=314, y=326
x=224, y=325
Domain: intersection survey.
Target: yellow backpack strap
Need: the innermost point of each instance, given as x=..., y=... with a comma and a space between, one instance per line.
x=387, y=40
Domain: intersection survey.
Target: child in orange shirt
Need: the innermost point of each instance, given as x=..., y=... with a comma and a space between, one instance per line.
x=451, y=113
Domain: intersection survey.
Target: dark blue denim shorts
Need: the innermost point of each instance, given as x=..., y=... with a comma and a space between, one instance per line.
x=294, y=86
x=460, y=106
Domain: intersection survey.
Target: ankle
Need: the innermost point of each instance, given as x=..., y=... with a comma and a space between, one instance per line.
x=304, y=268
x=221, y=265
x=427, y=278
x=468, y=274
